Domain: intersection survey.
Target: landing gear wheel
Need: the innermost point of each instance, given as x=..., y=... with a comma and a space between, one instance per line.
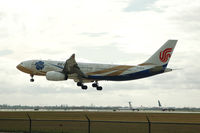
x=79, y=84
x=99, y=88
x=94, y=85
x=84, y=87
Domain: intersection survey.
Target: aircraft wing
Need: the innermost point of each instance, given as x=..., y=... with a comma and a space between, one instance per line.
x=71, y=67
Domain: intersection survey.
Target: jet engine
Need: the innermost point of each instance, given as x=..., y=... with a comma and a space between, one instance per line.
x=56, y=76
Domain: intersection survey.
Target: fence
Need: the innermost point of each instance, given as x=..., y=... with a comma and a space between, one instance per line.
x=33, y=125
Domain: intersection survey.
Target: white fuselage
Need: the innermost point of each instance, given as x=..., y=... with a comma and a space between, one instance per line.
x=94, y=71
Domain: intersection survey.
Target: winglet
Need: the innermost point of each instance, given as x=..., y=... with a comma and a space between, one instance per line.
x=72, y=67
x=73, y=56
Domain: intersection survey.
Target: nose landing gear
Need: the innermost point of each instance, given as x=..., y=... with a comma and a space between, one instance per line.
x=31, y=80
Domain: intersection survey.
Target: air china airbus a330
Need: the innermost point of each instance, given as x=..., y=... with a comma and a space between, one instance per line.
x=90, y=72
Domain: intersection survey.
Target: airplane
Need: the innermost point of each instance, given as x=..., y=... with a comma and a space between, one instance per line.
x=92, y=72
x=165, y=108
x=130, y=108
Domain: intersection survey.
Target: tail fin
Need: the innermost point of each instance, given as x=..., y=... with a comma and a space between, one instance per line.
x=130, y=105
x=159, y=104
x=162, y=56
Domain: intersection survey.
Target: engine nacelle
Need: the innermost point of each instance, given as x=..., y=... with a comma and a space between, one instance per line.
x=55, y=76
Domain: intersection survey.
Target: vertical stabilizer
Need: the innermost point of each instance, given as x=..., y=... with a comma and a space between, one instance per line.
x=130, y=106
x=162, y=56
x=159, y=104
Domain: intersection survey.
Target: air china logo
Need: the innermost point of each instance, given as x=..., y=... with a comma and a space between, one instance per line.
x=164, y=55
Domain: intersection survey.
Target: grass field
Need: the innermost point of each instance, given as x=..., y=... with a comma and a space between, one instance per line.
x=100, y=122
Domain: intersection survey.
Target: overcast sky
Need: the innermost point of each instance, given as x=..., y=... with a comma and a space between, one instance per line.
x=101, y=31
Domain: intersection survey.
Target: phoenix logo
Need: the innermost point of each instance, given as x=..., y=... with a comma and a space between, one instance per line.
x=164, y=55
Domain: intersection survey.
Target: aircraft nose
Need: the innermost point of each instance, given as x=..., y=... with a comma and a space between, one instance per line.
x=23, y=67
x=19, y=67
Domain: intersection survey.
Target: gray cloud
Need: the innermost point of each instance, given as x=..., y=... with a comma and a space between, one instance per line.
x=6, y=52
x=139, y=5
x=186, y=19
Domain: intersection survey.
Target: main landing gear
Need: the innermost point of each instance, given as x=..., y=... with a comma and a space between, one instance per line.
x=31, y=80
x=84, y=87
x=99, y=88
